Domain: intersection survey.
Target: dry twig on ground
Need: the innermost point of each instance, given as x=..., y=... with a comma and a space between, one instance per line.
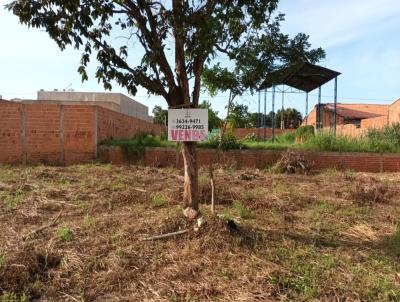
x=43, y=227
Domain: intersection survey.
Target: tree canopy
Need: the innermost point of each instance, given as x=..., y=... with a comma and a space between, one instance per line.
x=198, y=31
x=240, y=117
x=160, y=115
x=214, y=122
x=176, y=38
x=292, y=118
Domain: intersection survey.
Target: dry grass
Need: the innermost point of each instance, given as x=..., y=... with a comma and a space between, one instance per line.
x=300, y=238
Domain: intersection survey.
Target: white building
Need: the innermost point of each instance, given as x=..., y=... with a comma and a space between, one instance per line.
x=114, y=101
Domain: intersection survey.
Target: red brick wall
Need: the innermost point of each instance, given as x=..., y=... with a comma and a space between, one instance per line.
x=360, y=162
x=10, y=132
x=42, y=133
x=79, y=134
x=112, y=124
x=60, y=134
x=259, y=132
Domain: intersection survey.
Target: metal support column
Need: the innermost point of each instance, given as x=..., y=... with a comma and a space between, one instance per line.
x=335, y=108
x=319, y=124
x=259, y=114
x=283, y=109
x=265, y=114
x=306, y=109
x=273, y=113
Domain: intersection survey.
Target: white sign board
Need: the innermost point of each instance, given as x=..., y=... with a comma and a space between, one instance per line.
x=187, y=125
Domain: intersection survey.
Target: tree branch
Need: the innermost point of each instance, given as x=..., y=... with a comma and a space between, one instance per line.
x=151, y=37
x=179, y=33
x=151, y=85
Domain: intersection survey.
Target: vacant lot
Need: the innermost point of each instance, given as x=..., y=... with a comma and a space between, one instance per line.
x=75, y=234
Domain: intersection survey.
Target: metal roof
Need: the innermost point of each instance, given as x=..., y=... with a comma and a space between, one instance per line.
x=303, y=76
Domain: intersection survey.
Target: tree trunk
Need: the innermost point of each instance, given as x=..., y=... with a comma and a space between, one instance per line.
x=190, y=186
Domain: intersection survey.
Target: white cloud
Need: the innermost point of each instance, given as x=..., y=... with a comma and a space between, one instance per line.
x=335, y=22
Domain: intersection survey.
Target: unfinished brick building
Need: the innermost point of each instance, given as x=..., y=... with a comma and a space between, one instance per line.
x=354, y=119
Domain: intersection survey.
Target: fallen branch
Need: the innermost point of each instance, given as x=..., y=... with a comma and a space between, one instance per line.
x=165, y=235
x=45, y=201
x=43, y=227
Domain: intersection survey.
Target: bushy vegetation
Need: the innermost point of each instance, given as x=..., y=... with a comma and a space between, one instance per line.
x=394, y=241
x=378, y=141
x=227, y=141
x=303, y=133
x=386, y=140
x=286, y=138
x=136, y=145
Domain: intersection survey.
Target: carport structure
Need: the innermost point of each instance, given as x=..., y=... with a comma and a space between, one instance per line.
x=303, y=76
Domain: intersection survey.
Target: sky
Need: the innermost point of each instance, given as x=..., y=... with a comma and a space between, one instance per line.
x=361, y=39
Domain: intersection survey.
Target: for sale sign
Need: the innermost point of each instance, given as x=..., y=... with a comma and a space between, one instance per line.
x=187, y=125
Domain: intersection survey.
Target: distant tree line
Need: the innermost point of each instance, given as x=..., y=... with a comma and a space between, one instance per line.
x=240, y=117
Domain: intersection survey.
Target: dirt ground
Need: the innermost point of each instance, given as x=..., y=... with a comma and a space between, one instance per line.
x=75, y=234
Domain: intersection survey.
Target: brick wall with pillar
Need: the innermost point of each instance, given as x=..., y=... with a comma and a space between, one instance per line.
x=60, y=134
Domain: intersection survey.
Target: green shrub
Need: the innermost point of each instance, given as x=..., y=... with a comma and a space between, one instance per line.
x=327, y=141
x=242, y=210
x=134, y=148
x=286, y=138
x=391, y=134
x=374, y=134
x=11, y=200
x=303, y=133
x=386, y=140
x=394, y=241
x=227, y=142
x=158, y=201
x=64, y=233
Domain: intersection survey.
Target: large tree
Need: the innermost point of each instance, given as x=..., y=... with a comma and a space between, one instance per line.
x=160, y=115
x=239, y=116
x=214, y=122
x=196, y=31
x=291, y=117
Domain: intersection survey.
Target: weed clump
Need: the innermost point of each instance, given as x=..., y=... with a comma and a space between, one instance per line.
x=394, y=241
x=369, y=192
x=303, y=133
x=64, y=233
x=242, y=210
x=158, y=201
x=227, y=141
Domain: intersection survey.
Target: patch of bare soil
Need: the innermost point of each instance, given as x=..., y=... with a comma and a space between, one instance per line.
x=25, y=268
